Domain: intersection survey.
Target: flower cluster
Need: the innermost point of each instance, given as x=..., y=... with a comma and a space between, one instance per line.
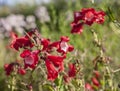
x=53, y=53
x=34, y=50
x=54, y=63
x=16, y=22
x=86, y=16
x=21, y=42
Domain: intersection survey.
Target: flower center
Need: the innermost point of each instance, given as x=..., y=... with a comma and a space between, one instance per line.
x=64, y=46
x=29, y=60
x=89, y=16
x=77, y=14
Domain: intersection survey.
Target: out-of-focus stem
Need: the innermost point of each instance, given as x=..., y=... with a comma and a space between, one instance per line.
x=117, y=70
x=13, y=83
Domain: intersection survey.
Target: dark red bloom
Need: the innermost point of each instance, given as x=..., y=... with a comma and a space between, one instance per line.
x=65, y=38
x=88, y=87
x=61, y=46
x=100, y=17
x=77, y=16
x=77, y=28
x=72, y=70
x=88, y=15
x=54, y=65
x=48, y=45
x=64, y=47
x=95, y=82
x=8, y=68
x=57, y=61
x=21, y=71
x=20, y=42
x=30, y=58
x=52, y=72
x=45, y=43
x=54, y=45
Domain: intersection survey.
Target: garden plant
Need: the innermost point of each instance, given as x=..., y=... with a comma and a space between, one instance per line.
x=47, y=64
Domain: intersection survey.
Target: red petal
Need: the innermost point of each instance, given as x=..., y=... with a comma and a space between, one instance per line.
x=25, y=53
x=88, y=87
x=52, y=72
x=72, y=70
x=95, y=82
x=22, y=71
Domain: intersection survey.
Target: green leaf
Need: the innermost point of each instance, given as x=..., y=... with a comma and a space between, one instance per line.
x=58, y=81
x=47, y=87
x=62, y=88
x=74, y=82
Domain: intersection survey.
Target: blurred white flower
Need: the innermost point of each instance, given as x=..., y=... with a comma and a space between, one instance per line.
x=16, y=23
x=30, y=20
x=5, y=25
x=10, y=23
x=16, y=20
x=42, y=14
x=19, y=30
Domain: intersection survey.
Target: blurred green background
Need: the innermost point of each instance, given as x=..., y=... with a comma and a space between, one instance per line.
x=53, y=20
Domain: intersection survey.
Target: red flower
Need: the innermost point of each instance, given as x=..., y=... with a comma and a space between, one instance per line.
x=8, y=68
x=64, y=47
x=30, y=58
x=54, y=44
x=95, y=82
x=20, y=42
x=45, y=43
x=72, y=70
x=54, y=65
x=89, y=15
x=21, y=71
x=57, y=61
x=100, y=17
x=86, y=16
x=52, y=72
x=88, y=87
x=77, y=28
x=61, y=46
x=77, y=16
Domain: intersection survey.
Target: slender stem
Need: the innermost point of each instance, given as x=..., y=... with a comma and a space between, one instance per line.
x=117, y=70
x=13, y=83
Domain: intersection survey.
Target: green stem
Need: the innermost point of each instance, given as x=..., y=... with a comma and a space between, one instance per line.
x=13, y=83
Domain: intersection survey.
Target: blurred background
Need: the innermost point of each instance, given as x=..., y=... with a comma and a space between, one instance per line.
x=13, y=2
x=53, y=18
